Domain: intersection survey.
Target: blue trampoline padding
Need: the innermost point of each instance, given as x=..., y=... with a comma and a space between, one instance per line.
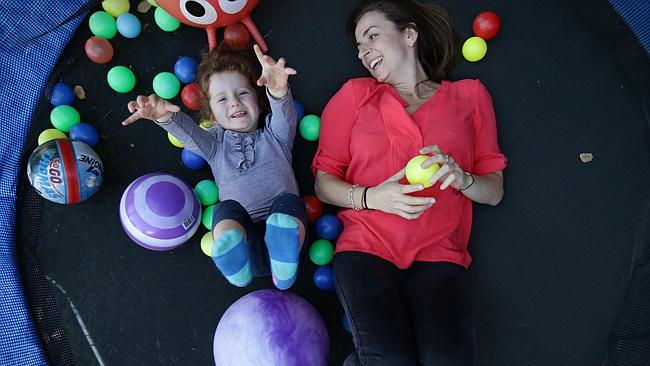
x=32, y=37
x=636, y=14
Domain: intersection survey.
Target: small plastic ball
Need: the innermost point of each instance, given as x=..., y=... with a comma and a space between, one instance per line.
x=174, y=140
x=99, y=50
x=62, y=94
x=152, y=2
x=321, y=252
x=63, y=117
x=236, y=35
x=207, y=191
x=486, y=25
x=300, y=110
x=206, y=243
x=116, y=7
x=191, y=97
x=165, y=21
x=50, y=134
x=85, y=132
x=207, y=217
x=415, y=174
x=166, y=85
x=310, y=127
x=102, y=25
x=328, y=227
x=128, y=25
x=314, y=208
x=324, y=278
x=185, y=69
x=121, y=79
x=192, y=160
x=474, y=49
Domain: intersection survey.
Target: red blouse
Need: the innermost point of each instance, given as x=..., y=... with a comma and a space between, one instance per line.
x=367, y=136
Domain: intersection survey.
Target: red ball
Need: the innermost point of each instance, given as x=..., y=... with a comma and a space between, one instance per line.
x=486, y=25
x=236, y=35
x=314, y=208
x=191, y=97
x=99, y=50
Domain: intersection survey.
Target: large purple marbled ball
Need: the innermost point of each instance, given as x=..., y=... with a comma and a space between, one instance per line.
x=159, y=211
x=271, y=328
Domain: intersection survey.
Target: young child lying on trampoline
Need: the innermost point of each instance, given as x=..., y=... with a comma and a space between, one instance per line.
x=251, y=161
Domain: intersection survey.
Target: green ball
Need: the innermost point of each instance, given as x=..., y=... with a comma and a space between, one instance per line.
x=310, y=127
x=207, y=217
x=64, y=117
x=321, y=252
x=102, y=25
x=121, y=79
x=165, y=21
x=166, y=85
x=207, y=191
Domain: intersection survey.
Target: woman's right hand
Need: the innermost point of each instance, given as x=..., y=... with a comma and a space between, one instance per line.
x=152, y=107
x=392, y=197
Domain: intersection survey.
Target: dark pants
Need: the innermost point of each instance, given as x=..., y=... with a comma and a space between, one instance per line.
x=416, y=316
x=286, y=203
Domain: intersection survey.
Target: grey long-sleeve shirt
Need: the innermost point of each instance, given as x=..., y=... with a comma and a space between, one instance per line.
x=251, y=168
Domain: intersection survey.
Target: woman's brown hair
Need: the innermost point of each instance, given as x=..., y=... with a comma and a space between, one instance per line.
x=224, y=58
x=437, y=43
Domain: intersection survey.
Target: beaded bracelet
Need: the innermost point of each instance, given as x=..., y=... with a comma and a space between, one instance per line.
x=351, y=197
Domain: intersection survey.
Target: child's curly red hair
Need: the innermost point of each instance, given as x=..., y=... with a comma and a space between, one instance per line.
x=224, y=58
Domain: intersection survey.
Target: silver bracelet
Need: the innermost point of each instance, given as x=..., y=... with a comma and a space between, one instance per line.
x=351, y=197
x=470, y=184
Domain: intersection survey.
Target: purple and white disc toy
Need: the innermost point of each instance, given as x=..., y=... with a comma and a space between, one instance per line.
x=159, y=211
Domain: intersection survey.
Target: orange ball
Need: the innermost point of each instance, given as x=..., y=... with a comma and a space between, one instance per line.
x=99, y=50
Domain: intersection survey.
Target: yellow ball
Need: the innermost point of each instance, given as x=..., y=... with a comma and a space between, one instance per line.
x=206, y=243
x=206, y=124
x=152, y=2
x=116, y=7
x=474, y=49
x=174, y=140
x=50, y=134
x=415, y=174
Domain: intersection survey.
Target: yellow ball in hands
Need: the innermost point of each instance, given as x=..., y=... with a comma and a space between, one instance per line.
x=415, y=174
x=474, y=49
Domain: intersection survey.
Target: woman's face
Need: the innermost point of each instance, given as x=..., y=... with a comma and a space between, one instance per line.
x=384, y=49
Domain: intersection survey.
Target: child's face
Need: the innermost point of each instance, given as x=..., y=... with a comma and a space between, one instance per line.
x=233, y=101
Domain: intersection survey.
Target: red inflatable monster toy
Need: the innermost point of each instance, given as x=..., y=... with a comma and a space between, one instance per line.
x=213, y=14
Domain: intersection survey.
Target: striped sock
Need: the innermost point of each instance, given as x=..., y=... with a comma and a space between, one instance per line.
x=230, y=254
x=283, y=242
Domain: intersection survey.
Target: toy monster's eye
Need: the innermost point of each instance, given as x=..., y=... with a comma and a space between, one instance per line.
x=232, y=6
x=199, y=11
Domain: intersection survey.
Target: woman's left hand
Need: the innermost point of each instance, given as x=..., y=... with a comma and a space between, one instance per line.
x=449, y=173
x=275, y=74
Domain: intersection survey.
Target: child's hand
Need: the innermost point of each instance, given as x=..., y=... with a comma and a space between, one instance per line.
x=152, y=107
x=274, y=74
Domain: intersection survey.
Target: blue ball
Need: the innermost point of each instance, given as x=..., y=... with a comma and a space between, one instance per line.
x=128, y=25
x=62, y=94
x=328, y=227
x=185, y=69
x=85, y=132
x=300, y=110
x=191, y=160
x=324, y=278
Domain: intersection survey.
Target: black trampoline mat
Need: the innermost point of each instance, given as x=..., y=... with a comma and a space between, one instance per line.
x=550, y=262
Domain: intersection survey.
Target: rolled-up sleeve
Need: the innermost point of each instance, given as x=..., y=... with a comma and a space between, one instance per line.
x=487, y=154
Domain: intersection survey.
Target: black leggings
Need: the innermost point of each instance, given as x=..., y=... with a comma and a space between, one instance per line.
x=416, y=316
